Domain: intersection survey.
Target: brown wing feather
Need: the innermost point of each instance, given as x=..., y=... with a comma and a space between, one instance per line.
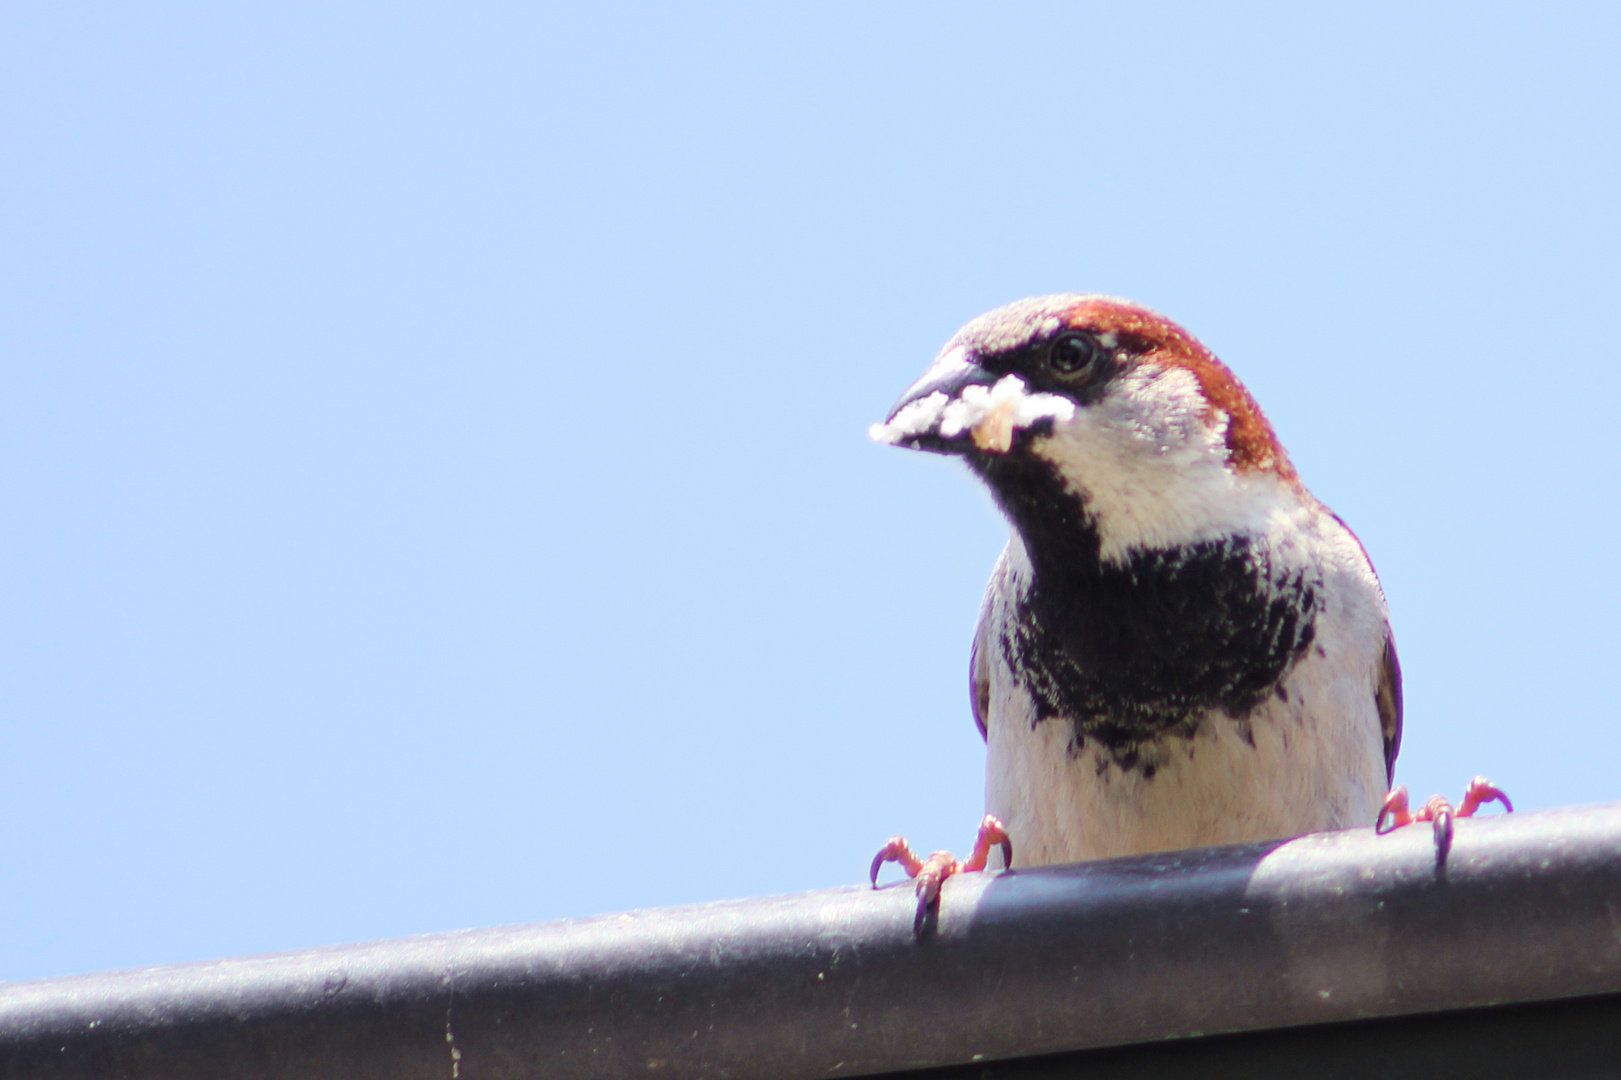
x=979, y=680
x=1387, y=696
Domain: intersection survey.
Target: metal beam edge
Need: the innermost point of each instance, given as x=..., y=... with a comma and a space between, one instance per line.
x=1323, y=928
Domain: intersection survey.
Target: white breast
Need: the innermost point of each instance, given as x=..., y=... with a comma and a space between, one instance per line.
x=1316, y=763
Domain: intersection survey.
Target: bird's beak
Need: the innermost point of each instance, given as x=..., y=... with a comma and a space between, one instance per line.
x=958, y=407
x=916, y=419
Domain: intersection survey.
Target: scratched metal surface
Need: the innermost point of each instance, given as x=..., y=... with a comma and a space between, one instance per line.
x=836, y=983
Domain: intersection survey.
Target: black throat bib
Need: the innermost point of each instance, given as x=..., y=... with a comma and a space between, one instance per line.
x=1137, y=651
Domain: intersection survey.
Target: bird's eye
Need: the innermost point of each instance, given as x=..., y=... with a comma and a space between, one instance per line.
x=1075, y=354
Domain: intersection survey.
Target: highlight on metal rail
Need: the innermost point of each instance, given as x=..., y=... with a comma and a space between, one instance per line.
x=1345, y=954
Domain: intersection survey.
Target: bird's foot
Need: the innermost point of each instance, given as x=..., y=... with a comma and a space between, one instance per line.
x=1394, y=814
x=932, y=872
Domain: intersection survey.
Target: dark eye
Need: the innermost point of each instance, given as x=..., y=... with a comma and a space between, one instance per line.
x=1075, y=354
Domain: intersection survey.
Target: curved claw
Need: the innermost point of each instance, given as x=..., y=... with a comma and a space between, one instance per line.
x=936, y=868
x=1480, y=792
x=1440, y=812
x=991, y=831
x=896, y=850
x=1395, y=809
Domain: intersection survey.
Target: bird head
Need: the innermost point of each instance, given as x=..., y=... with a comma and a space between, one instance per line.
x=1106, y=405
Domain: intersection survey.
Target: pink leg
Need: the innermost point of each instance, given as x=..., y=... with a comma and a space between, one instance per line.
x=1394, y=814
x=932, y=872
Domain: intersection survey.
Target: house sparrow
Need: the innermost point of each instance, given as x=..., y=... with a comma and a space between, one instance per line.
x=1180, y=646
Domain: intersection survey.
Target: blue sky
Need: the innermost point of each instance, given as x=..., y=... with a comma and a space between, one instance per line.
x=432, y=444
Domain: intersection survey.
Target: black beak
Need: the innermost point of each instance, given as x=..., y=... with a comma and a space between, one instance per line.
x=915, y=420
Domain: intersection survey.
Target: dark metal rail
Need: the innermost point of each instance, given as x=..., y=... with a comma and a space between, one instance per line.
x=1323, y=929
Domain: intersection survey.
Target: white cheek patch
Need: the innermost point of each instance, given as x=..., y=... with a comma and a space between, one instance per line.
x=1154, y=469
x=992, y=415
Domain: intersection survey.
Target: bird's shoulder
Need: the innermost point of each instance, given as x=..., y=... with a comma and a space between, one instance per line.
x=993, y=611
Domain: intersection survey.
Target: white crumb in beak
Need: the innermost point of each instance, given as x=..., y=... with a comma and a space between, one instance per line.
x=1007, y=405
x=995, y=432
x=914, y=418
x=990, y=414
